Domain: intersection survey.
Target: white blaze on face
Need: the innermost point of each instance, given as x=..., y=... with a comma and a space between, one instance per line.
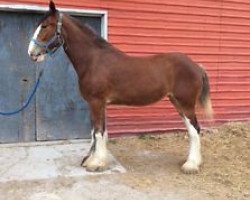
x=34, y=50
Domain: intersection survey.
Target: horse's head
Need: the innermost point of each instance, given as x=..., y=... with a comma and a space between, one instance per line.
x=47, y=37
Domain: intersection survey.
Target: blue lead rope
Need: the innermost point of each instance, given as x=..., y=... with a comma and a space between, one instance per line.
x=27, y=102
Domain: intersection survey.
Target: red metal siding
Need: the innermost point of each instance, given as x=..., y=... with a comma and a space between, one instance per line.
x=213, y=32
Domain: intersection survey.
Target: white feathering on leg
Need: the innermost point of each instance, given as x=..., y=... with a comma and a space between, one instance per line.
x=194, y=155
x=98, y=160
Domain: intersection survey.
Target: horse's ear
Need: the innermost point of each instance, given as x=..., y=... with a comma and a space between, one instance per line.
x=52, y=6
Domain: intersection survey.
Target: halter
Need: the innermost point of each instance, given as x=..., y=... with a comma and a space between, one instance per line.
x=56, y=39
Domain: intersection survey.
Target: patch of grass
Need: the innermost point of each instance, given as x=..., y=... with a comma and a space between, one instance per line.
x=145, y=136
x=112, y=141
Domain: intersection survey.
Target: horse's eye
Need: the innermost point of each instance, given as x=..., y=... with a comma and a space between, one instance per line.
x=44, y=26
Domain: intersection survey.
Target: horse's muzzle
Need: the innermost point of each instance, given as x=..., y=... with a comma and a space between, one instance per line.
x=37, y=58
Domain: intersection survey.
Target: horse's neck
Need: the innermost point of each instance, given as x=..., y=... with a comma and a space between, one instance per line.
x=81, y=47
x=76, y=46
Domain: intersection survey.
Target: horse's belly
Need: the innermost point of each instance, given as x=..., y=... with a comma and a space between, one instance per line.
x=138, y=98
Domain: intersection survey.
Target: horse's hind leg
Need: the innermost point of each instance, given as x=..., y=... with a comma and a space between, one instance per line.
x=194, y=159
x=187, y=112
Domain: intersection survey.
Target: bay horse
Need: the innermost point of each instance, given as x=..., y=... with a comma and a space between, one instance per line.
x=106, y=76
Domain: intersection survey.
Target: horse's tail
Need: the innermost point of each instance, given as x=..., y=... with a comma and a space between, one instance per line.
x=204, y=98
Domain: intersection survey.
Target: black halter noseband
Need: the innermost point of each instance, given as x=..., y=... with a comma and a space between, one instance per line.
x=56, y=41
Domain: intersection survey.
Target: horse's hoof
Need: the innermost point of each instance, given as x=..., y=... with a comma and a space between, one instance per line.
x=94, y=164
x=96, y=168
x=190, y=167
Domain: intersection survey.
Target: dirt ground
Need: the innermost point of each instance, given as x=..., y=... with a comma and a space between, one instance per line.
x=153, y=161
x=153, y=164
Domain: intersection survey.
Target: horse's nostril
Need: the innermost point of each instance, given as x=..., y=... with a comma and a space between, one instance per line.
x=31, y=54
x=34, y=54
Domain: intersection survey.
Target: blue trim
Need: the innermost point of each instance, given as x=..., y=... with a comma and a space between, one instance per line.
x=28, y=101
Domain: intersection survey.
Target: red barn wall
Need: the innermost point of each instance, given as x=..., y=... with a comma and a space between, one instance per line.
x=214, y=33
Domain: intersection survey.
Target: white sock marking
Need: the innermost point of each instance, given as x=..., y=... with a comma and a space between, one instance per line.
x=101, y=147
x=195, y=146
x=99, y=157
x=92, y=137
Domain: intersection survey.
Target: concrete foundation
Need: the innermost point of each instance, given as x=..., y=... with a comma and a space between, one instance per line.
x=36, y=161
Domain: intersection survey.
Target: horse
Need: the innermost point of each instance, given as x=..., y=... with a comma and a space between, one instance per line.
x=108, y=76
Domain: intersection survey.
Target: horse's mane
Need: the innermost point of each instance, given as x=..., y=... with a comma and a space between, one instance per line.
x=87, y=29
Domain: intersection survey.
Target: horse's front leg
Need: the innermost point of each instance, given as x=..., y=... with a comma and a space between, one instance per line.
x=97, y=158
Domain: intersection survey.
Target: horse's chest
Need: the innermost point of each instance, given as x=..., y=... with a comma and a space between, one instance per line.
x=90, y=89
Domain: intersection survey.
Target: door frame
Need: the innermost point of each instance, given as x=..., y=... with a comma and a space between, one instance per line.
x=37, y=9
x=72, y=11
